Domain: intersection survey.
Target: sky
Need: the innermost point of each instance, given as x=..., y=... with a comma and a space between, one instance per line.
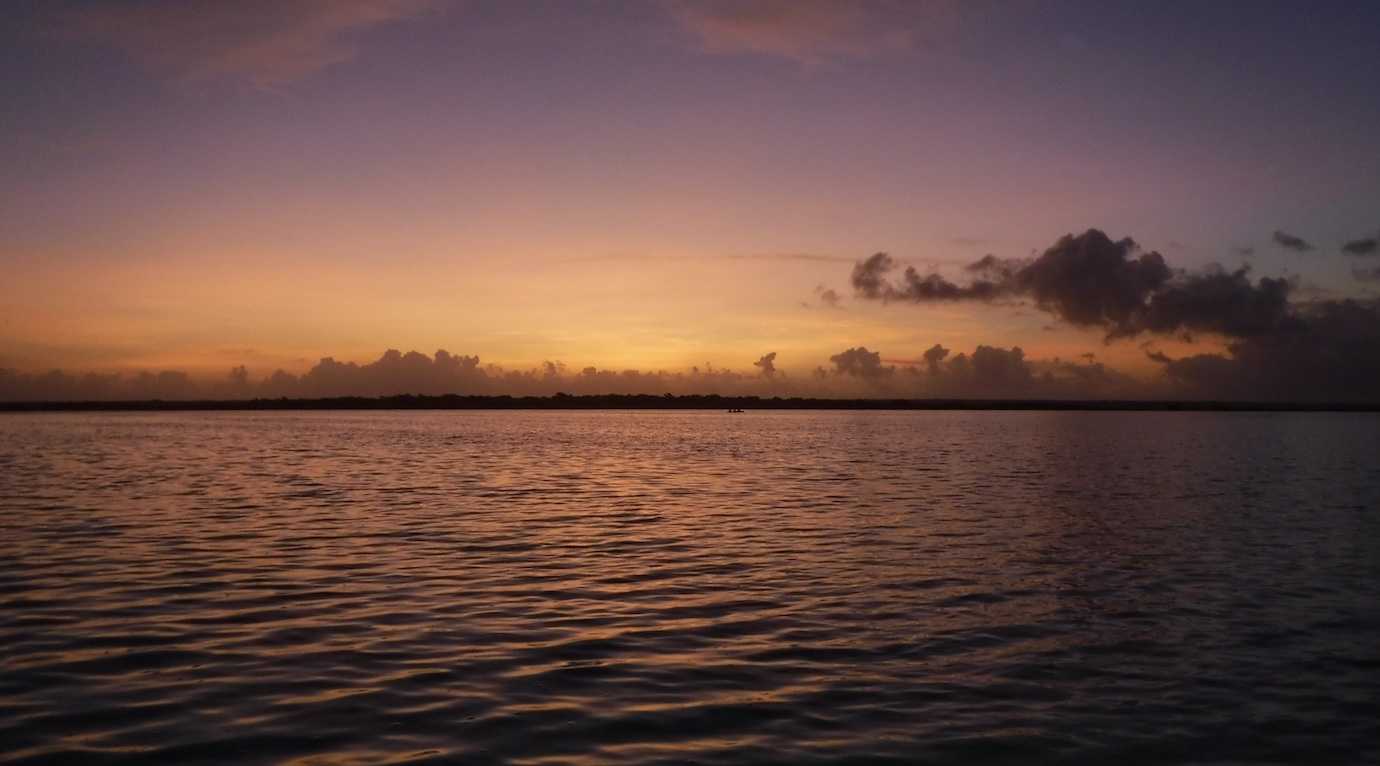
x=216, y=192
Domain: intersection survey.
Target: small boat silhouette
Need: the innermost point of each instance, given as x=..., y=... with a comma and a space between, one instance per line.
x=735, y=409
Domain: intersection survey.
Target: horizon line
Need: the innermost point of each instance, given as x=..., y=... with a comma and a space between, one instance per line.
x=562, y=401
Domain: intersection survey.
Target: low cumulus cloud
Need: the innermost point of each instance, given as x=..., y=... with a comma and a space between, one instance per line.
x=1276, y=347
x=995, y=372
x=1290, y=242
x=57, y=385
x=396, y=373
x=767, y=364
x=1362, y=247
x=1331, y=358
x=1091, y=280
x=856, y=371
x=870, y=281
x=988, y=372
x=1272, y=340
x=265, y=42
x=933, y=357
x=861, y=363
x=1330, y=353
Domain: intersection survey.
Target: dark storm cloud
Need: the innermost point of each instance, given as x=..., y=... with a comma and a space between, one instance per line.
x=861, y=363
x=1362, y=247
x=1290, y=242
x=767, y=364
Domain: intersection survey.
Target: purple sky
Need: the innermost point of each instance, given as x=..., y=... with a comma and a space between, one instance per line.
x=194, y=185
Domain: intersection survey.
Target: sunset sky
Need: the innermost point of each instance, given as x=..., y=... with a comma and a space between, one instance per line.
x=193, y=185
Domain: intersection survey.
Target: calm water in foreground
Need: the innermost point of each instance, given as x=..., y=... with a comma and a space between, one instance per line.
x=601, y=587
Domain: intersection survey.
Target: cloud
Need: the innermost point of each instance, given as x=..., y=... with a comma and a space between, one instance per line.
x=993, y=372
x=869, y=279
x=828, y=296
x=265, y=42
x=1277, y=346
x=1291, y=242
x=989, y=371
x=796, y=257
x=934, y=355
x=992, y=268
x=767, y=364
x=1091, y=280
x=861, y=363
x=396, y=373
x=812, y=257
x=1362, y=247
x=56, y=385
x=1330, y=352
x=802, y=30
x=1244, y=252
x=1371, y=274
x=1217, y=301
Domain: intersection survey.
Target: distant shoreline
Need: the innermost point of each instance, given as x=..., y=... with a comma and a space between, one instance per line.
x=667, y=402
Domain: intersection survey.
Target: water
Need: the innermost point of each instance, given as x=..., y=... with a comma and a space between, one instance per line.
x=605, y=587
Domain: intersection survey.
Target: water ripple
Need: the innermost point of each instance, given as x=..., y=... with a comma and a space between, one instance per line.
x=605, y=587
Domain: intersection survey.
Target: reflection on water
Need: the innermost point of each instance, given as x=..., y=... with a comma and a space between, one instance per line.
x=595, y=587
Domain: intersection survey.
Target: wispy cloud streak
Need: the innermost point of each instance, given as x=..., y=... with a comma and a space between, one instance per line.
x=268, y=43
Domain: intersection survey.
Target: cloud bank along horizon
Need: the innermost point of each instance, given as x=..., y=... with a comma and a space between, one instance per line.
x=1270, y=347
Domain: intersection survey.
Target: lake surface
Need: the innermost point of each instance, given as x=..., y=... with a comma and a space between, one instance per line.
x=682, y=587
